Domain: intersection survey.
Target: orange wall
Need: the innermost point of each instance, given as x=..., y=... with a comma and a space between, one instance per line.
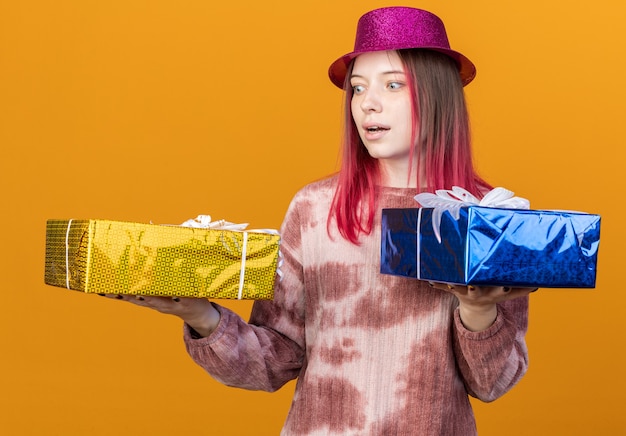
x=158, y=110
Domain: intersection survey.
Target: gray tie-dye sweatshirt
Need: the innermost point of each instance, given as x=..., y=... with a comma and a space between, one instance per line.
x=374, y=354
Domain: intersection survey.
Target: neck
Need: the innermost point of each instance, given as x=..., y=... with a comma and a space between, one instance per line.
x=396, y=174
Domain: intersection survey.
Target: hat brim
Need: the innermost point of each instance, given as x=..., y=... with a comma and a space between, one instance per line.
x=338, y=69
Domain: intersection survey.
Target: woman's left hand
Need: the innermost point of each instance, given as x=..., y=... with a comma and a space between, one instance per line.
x=477, y=304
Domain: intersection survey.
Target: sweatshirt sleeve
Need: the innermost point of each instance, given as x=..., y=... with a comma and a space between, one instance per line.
x=492, y=361
x=268, y=351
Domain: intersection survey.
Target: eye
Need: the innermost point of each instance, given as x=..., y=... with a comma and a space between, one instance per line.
x=357, y=89
x=395, y=85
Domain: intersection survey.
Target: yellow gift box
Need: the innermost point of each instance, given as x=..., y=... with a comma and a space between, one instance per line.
x=113, y=257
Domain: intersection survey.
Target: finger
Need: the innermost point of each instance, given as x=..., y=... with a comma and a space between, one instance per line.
x=159, y=303
x=441, y=286
x=129, y=298
x=114, y=296
x=449, y=287
x=484, y=289
x=525, y=290
x=510, y=293
x=531, y=290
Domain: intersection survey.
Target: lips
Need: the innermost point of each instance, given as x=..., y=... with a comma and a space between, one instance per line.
x=372, y=128
x=374, y=131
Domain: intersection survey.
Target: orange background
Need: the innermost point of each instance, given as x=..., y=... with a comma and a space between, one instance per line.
x=161, y=110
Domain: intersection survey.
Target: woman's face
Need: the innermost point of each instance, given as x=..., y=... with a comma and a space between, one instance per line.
x=381, y=105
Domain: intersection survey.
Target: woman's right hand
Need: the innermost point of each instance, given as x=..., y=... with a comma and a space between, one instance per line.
x=199, y=313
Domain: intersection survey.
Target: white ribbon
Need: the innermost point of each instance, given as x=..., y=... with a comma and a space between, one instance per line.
x=67, y=254
x=204, y=222
x=242, y=272
x=453, y=200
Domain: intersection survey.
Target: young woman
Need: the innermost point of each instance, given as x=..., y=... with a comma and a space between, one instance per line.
x=373, y=354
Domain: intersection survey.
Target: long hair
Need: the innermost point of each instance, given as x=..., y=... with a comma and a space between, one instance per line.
x=441, y=135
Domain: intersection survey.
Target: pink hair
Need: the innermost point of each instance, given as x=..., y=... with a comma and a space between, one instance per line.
x=441, y=133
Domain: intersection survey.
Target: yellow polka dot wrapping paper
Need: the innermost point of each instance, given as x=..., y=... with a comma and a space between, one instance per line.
x=115, y=257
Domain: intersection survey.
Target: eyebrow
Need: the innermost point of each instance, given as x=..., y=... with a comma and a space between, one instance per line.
x=382, y=74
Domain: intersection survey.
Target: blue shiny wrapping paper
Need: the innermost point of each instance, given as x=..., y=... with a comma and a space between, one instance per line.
x=493, y=246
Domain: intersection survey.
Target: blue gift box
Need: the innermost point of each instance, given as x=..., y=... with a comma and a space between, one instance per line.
x=492, y=246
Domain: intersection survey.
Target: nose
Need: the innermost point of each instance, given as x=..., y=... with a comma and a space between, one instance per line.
x=371, y=102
